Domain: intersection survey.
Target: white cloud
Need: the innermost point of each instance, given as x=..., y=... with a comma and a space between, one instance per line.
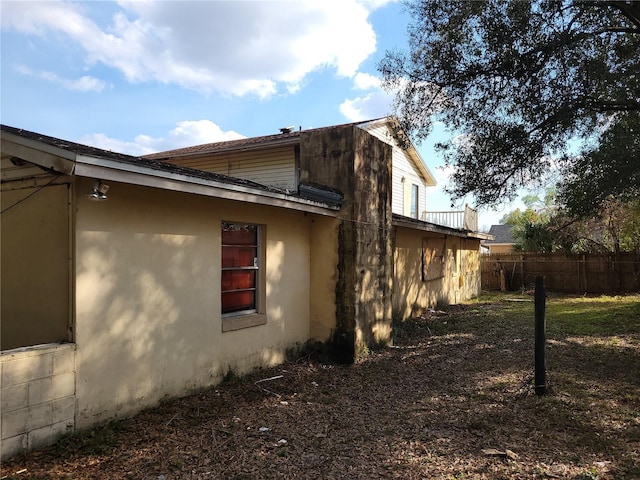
x=374, y=104
x=443, y=173
x=228, y=47
x=83, y=84
x=187, y=133
x=365, y=81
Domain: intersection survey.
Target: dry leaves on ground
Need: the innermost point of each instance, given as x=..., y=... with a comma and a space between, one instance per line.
x=451, y=399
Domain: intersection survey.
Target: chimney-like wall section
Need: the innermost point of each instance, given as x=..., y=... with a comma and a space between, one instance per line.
x=349, y=159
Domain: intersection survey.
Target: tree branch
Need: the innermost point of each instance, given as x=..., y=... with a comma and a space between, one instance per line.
x=631, y=10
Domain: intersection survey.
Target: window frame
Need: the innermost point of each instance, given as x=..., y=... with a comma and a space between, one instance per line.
x=239, y=319
x=414, y=210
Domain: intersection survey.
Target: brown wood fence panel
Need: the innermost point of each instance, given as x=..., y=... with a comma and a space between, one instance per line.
x=593, y=273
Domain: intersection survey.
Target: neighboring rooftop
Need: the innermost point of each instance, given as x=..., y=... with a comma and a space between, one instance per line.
x=501, y=234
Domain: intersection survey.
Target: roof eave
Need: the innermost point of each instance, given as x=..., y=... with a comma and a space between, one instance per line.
x=121, y=172
x=411, y=150
x=408, y=222
x=44, y=155
x=69, y=162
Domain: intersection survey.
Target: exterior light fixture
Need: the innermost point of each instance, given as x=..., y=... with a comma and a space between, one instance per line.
x=99, y=191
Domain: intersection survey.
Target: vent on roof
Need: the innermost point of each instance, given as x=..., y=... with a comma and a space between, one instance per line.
x=287, y=129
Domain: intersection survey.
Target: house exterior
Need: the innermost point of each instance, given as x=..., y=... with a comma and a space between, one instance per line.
x=127, y=280
x=502, y=241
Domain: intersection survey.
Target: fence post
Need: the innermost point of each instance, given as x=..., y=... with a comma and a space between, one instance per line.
x=540, y=363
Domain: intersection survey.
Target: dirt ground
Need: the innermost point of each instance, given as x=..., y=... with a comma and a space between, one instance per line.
x=452, y=399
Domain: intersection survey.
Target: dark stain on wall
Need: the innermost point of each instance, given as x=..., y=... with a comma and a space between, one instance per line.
x=354, y=162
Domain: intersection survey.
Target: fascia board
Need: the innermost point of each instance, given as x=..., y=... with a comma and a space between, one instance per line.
x=419, y=162
x=431, y=227
x=119, y=172
x=411, y=150
x=38, y=153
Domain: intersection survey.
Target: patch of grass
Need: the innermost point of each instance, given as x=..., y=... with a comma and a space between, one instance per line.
x=599, y=316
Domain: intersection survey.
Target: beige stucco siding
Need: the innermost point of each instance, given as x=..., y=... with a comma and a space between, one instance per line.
x=274, y=167
x=148, y=296
x=35, y=252
x=324, y=259
x=412, y=294
x=500, y=247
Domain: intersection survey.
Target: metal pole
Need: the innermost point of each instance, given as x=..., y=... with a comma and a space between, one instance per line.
x=540, y=368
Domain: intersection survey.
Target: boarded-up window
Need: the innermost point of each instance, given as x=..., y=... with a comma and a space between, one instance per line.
x=239, y=267
x=433, y=264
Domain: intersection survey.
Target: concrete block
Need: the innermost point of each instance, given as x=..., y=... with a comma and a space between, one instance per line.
x=26, y=419
x=45, y=436
x=64, y=409
x=13, y=397
x=27, y=368
x=10, y=447
x=57, y=386
x=64, y=361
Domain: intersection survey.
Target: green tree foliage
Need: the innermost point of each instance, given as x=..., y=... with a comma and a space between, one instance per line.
x=537, y=88
x=544, y=227
x=610, y=169
x=531, y=227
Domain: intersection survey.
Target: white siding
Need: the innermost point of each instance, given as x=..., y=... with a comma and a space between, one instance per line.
x=402, y=168
x=274, y=167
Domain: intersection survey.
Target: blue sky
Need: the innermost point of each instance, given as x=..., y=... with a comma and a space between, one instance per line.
x=143, y=76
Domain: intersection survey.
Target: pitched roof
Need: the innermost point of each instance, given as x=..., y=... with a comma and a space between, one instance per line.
x=240, y=144
x=81, y=149
x=62, y=156
x=501, y=234
x=286, y=138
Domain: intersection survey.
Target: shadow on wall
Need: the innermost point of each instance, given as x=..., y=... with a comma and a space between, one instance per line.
x=449, y=284
x=148, y=322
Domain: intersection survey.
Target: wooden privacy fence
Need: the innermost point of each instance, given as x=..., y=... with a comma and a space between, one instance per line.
x=592, y=273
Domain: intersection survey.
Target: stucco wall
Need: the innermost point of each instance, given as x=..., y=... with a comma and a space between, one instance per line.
x=148, y=322
x=372, y=220
x=357, y=164
x=38, y=396
x=324, y=260
x=35, y=251
x=412, y=295
x=500, y=248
